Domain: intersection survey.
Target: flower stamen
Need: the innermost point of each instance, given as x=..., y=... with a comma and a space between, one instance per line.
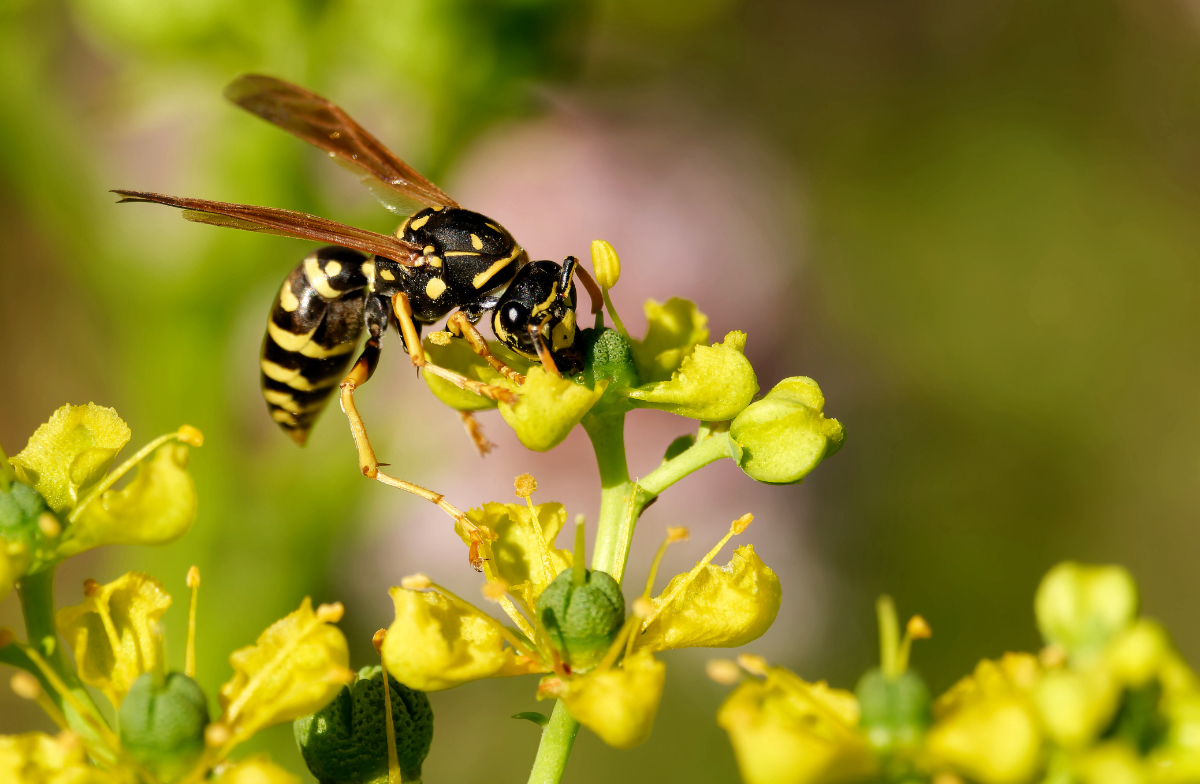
x=388, y=730
x=189, y=660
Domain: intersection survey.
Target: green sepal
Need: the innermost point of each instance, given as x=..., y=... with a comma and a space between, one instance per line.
x=673, y=330
x=712, y=383
x=162, y=724
x=785, y=435
x=345, y=742
x=679, y=446
x=582, y=621
x=539, y=719
x=895, y=711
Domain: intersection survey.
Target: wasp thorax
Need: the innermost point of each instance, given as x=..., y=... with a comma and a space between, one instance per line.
x=582, y=620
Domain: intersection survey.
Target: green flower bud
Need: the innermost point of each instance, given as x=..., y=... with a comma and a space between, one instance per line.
x=785, y=435
x=31, y=532
x=895, y=711
x=345, y=742
x=713, y=383
x=1082, y=608
x=582, y=621
x=608, y=356
x=162, y=724
x=673, y=330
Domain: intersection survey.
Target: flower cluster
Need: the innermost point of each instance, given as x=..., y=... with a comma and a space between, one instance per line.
x=1107, y=700
x=569, y=623
x=57, y=500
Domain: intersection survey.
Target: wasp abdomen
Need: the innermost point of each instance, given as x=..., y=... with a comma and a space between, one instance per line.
x=314, y=326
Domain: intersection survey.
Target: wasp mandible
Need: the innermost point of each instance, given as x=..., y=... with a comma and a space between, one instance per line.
x=442, y=258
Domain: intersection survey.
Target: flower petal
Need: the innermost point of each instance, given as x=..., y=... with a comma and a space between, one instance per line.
x=436, y=643
x=458, y=356
x=1082, y=608
x=38, y=758
x=70, y=452
x=255, y=770
x=713, y=383
x=524, y=548
x=113, y=634
x=673, y=330
x=617, y=704
x=294, y=668
x=157, y=506
x=721, y=607
x=548, y=408
x=786, y=731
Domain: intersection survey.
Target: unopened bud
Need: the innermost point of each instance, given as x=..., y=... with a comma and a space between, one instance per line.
x=48, y=524
x=25, y=686
x=753, y=664
x=416, y=582
x=330, y=613
x=742, y=523
x=606, y=263
x=723, y=671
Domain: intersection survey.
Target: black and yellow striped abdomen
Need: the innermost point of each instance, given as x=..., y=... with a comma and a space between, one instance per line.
x=314, y=326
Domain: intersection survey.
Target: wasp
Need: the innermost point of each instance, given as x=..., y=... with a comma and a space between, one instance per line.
x=443, y=260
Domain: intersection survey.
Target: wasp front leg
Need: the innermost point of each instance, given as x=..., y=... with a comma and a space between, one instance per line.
x=376, y=314
x=458, y=324
x=412, y=341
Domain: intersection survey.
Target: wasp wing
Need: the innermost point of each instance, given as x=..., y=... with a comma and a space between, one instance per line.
x=323, y=124
x=285, y=223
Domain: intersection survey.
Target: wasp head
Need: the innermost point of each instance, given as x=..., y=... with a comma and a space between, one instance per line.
x=537, y=313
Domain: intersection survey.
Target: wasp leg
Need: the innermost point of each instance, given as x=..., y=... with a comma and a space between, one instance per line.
x=376, y=318
x=475, y=432
x=543, y=351
x=460, y=325
x=404, y=315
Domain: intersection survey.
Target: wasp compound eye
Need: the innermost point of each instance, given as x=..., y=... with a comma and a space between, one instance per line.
x=511, y=325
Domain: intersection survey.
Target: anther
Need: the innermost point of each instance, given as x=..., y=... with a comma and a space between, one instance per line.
x=48, y=524
x=377, y=640
x=216, y=735
x=190, y=435
x=918, y=628
x=677, y=534
x=494, y=592
x=525, y=485
x=741, y=523
x=25, y=686
x=441, y=338
x=416, y=582
x=90, y=587
x=753, y=664
x=330, y=613
x=643, y=607
x=723, y=671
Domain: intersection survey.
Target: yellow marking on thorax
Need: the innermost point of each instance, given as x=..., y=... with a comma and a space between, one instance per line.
x=288, y=341
x=386, y=274
x=488, y=273
x=476, y=243
x=403, y=227
x=429, y=249
x=287, y=300
x=368, y=271
x=494, y=226
x=435, y=288
x=333, y=268
x=434, y=261
x=461, y=253
x=419, y=222
x=318, y=279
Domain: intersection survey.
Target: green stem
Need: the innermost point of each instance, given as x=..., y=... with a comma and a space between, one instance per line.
x=557, y=739
x=6, y=473
x=37, y=605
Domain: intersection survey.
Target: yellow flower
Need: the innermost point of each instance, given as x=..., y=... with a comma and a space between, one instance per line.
x=1077, y=704
x=255, y=770
x=522, y=551
x=438, y=642
x=787, y=731
x=37, y=758
x=713, y=383
x=114, y=632
x=294, y=668
x=1081, y=608
x=673, y=330
x=986, y=726
x=618, y=703
x=548, y=408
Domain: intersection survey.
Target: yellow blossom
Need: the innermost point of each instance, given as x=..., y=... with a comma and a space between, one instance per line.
x=37, y=758
x=548, y=408
x=114, y=632
x=523, y=551
x=618, y=703
x=787, y=731
x=713, y=383
x=255, y=770
x=438, y=642
x=673, y=330
x=296, y=666
x=1081, y=608
x=1077, y=704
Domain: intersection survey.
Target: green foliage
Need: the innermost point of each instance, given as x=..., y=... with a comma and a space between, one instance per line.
x=344, y=743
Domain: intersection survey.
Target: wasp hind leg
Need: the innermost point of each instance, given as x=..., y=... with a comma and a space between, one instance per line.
x=412, y=341
x=376, y=318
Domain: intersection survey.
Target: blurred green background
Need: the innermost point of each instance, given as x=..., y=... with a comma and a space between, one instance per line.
x=988, y=260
